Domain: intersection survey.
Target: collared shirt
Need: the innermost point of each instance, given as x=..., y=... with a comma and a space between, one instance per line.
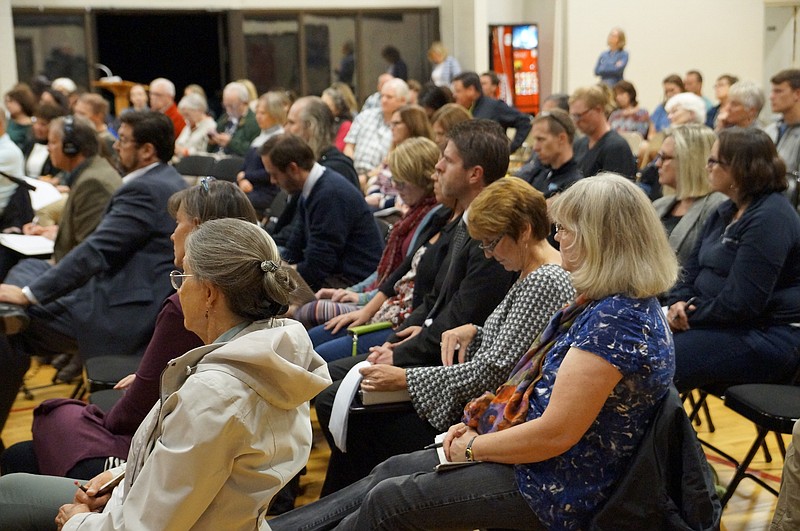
x=372, y=138
x=139, y=172
x=313, y=176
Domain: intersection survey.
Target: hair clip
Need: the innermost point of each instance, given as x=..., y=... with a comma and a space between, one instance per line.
x=268, y=266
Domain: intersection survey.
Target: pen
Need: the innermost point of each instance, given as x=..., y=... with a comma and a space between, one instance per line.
x=82, y=487
x=432, y=446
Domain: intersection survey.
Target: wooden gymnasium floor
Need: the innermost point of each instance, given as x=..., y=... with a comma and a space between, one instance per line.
x=751, y=507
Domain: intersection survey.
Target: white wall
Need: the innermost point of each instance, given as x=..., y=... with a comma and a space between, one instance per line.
x=8, y=72
x=712, y=36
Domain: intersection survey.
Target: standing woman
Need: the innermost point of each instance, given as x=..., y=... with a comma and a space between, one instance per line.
x=445, y=66
x=232, y=425
x=681, y=165
x=735, y=308
x=612, y=62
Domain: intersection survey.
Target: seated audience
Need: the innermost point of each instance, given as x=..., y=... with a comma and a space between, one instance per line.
x=20, y=103
x=629, y=117
x=681, y=165
x=340, y=100
x=336, y=242
x=432, y=98
x=254, y=179
x=685, y=108
x=734, y=308
x=12, y=162
x=412, y=164
x=193, y=139
x=721, y=88
x=162, y=99
x=370, y=136
x=468, y=93
x=53, y=97
x=373, y=101
x=137, y=95
x=745, y=101
x=116, y=275
x=468, y=284
x=693, y=83
x=784, y=98
x=237, y=127
x=673, y=85
x=601, y=149
x=510, y=220
x=73, y=439
x=553, y=169
x=95, y=108
x=233, y=423
x=37, y=157
x=578, y=401
x=409, y=121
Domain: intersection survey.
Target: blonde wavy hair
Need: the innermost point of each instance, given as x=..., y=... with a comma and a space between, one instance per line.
x=619, y=241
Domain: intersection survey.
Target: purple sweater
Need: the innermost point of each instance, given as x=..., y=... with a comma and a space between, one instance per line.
x=67, y=431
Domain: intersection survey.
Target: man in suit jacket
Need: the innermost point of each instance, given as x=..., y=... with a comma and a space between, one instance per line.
x=468, y=93
x=104, y=295
x=469, y=287
x=336, y=241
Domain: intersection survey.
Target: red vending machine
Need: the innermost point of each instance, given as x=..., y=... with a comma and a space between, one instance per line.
x=515, y=60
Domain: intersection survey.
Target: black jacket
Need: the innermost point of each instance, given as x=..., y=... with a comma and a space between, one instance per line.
x=668, y=485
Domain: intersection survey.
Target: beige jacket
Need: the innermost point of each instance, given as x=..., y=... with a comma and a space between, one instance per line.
x=231, y=428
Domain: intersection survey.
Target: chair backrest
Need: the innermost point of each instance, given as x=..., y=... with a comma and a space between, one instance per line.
x=195, y=165
x=792, y=192
x=226, y=169
x=634, y=140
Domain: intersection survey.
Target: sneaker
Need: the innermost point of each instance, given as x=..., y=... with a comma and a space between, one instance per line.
x=13, y=319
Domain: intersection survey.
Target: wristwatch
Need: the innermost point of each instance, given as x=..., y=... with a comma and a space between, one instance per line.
x=468, y=452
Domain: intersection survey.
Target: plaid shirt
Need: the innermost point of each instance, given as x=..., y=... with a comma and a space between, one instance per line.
x=372, y=138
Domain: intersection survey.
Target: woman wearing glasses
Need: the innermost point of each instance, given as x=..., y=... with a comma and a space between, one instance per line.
x=734, y=311
x=681, y=165
x=232, y=424
x=510, y=218
x=554, y=439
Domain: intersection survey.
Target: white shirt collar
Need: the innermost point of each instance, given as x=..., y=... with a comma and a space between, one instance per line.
x=313, y=176
x=138, y=173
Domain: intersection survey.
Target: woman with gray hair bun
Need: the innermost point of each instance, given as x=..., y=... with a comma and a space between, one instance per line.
x=233, y=424
x=193, y=138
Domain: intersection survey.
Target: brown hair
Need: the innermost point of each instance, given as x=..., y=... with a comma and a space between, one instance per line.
x=508, y=206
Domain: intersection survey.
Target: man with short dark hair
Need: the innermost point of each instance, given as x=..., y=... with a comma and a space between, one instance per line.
x=336, y=242
x=602, y=148
x=785, y=99
x=490, y=83
x=693, y=82
x=470, y=285
x=468, y=93
x=104, y=295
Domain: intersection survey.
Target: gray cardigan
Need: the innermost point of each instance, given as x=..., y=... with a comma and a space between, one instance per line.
x=684, y=235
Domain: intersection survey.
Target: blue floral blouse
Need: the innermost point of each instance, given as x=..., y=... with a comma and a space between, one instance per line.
x=633, y=336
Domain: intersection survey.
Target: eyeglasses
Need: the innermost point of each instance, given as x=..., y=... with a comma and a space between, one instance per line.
x=661, y=156
x=560, y=228
x=715, y=162
x=176, y=279
x=489, y=248
x=578, y=115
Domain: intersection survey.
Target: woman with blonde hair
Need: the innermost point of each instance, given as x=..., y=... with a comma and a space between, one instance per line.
x=612, y=62
x=412, y=164
x=681, y=165
x=445, y=66
x=552, y=443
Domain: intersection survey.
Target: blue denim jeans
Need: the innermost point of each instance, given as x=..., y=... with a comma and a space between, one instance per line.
x=404, y=492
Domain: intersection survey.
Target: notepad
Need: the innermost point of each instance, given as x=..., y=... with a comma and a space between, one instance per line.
x=28, y=245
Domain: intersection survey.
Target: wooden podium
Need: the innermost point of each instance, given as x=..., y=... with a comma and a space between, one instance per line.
x=120, y=90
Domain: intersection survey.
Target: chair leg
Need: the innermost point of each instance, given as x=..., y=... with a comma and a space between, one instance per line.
x=781, y=445
x=741, y=470
x=767, y=454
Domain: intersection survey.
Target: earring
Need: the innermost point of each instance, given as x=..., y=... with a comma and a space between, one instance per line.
x=206, y=313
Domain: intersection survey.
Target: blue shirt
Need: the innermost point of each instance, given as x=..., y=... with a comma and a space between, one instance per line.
x=633, y=336
x=611, y=65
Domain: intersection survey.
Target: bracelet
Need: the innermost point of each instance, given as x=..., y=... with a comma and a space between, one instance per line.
x=468, y=452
